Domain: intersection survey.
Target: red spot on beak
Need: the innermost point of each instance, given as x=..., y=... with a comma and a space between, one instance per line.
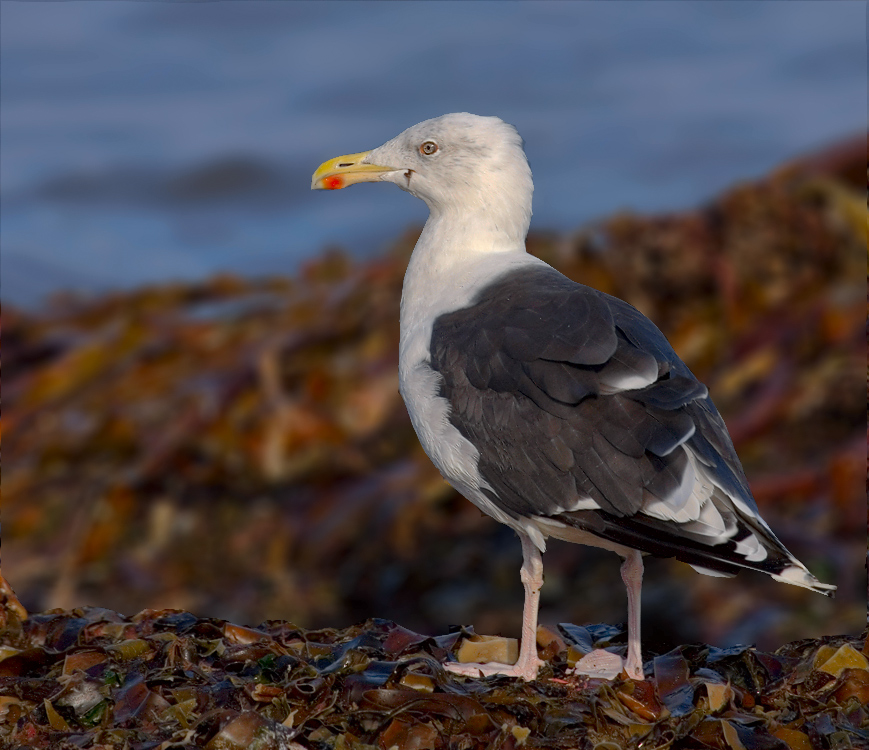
x=334, y=183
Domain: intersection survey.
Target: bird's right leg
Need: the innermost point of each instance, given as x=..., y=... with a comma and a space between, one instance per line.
x=528, y=663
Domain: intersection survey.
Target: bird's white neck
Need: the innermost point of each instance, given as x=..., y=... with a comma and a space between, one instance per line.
x=454, y=257
x=475, y=231
x=452, y=243
x=465, y=232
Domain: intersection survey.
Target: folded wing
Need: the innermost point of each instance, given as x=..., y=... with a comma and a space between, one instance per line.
x=585, y=417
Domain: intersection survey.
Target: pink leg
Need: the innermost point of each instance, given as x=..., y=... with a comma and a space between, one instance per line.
x=632, y=575
x=528, y=663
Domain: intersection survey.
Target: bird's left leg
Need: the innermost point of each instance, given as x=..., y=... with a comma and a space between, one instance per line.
x=606, y=664
x=528, y=663
x=632, y=575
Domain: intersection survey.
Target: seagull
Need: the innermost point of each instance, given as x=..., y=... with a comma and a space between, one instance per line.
x=556, y=409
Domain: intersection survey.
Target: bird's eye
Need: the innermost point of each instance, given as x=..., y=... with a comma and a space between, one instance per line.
x=428, y=148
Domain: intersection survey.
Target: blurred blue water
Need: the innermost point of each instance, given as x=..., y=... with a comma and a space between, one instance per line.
x=149, y=141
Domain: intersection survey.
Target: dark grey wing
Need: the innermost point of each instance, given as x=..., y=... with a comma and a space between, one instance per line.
x=583, y=413
x=710, y=443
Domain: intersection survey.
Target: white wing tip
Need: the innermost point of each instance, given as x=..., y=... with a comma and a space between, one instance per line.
x=711, y=572
x=799, y=576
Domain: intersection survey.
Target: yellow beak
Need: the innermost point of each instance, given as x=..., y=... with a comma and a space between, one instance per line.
x=345, y=170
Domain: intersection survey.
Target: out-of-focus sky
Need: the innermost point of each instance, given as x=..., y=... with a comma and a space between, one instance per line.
x=147, y=141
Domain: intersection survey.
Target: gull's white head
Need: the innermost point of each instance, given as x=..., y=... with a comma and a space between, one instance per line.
x=459, y=164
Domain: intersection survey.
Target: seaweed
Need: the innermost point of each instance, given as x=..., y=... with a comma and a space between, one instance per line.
x=90, y=678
